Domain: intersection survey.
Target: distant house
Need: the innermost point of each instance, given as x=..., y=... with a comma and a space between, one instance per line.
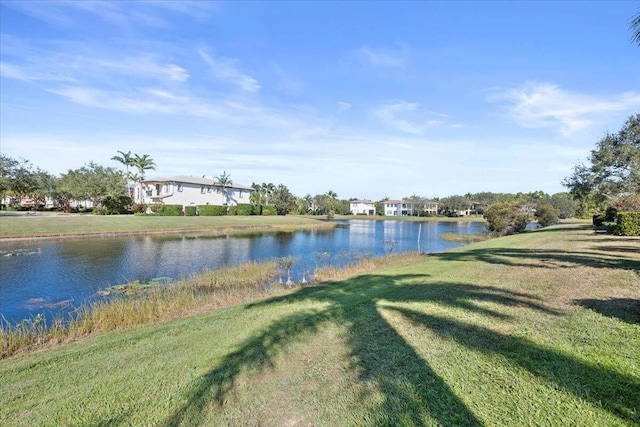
x=397, y=208
x=407, y=208
x=362, y=207
x=190, y=191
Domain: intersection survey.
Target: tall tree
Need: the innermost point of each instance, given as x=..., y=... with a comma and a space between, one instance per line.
x=283, y=200
x=613, y=169
x=92, y=182
x=453, y=205
x=8, y=167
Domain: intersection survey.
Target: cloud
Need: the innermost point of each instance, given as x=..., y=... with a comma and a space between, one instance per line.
x=384, y=58
x=119, y=13
x=540, y=105
x=225, y=69
x=41, y=65
x=407, y=117
x=33, y=73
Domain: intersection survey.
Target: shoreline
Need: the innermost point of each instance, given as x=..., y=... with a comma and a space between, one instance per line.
x=64, y=226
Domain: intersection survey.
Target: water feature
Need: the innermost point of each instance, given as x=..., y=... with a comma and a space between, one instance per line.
x=47, y=276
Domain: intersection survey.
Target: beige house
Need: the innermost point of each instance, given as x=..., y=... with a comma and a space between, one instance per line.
x=190, y=191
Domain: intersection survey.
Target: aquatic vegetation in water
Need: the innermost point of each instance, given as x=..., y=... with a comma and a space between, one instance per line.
x=19, y=252
x=134, y=288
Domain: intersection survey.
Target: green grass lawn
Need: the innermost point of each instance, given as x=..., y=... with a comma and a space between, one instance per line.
x=60, y=225
x=536, y=329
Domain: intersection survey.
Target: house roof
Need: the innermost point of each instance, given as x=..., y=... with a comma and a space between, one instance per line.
x=369, y=202
x=183, y=179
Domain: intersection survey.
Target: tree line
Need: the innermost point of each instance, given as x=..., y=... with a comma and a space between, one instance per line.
x=608, y=183
x=107, y=188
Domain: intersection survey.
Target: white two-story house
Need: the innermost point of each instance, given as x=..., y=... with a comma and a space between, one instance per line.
x=396, y=208
x=407, y=208
x=362, y=207
x=190, y=191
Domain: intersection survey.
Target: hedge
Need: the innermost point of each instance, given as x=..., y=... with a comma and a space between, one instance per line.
x=189, y=211
x=269, y=210
x=245, y=209
x=211, y=210
x=628, y=224
x=166, y=210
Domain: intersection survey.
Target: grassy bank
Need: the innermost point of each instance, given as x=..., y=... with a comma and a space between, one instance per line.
x=536, y=329
x=53, y=226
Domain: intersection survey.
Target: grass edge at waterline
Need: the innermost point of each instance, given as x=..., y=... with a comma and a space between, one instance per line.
x=47, y=226
x=188, y=296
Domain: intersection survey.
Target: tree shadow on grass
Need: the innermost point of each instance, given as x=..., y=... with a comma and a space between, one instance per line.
x=616, y=393
x=413, y=391
x=625, y=309
x=541, y=258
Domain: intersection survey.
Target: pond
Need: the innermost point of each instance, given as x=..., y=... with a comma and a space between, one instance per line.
x=54, y=276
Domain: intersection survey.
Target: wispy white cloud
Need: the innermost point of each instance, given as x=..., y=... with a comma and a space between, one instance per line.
x=160, y=101
x=33, y=73
x=226, y=69
x=42, y=65
x=539, y=105
x=385, y=58
x=407, y=117
x=123, y=14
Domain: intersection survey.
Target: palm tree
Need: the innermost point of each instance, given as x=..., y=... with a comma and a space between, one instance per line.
x=225, y=182
x=268, y=190
x=142, y=163
x=635, y=29
x=127, y=160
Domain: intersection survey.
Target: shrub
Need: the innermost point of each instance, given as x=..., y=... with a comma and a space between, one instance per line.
x=628, y=224
x=507, y=217
x=189, y=211
x=245, y=209
x=171, y=210
x=546, y=215
x=269, y=210
x=211, y=210
x=166, y=210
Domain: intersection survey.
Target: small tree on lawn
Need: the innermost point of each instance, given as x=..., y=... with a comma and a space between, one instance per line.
x=546, y=215
x=507, y=217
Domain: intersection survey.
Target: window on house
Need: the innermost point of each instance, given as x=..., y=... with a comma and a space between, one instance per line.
x=179, y=187
x=208, y=189
x=202, y=189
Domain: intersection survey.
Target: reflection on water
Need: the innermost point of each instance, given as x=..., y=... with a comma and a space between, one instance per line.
x=52, y=275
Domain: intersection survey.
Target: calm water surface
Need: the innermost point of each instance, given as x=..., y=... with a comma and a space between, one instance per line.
x=48, y=276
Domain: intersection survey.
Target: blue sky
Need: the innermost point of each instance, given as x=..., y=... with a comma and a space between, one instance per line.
x=367, y=99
